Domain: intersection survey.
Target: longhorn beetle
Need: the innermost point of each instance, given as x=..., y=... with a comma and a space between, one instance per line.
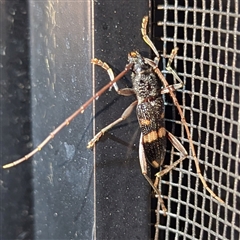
x=148, y=85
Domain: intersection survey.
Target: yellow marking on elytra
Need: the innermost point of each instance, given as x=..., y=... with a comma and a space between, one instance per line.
x=155, y=164
x=150, y=137
x=161, y=132
x=144, y=121
x=154, y=135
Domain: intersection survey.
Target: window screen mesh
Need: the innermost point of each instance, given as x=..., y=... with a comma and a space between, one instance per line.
x=207, y=34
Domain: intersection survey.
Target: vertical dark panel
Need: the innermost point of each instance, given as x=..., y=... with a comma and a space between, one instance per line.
x=16, y=199
x=122, y=193
x=61, y=82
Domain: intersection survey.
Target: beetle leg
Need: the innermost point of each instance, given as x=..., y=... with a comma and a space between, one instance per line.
x=147, y=40
x=125, y=114
x=175, y=142
x=170, y=69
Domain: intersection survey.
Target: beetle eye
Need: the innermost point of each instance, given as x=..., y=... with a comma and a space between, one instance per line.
x=133, y=54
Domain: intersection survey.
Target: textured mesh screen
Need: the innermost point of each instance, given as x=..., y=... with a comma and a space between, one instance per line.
x=207, y=34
